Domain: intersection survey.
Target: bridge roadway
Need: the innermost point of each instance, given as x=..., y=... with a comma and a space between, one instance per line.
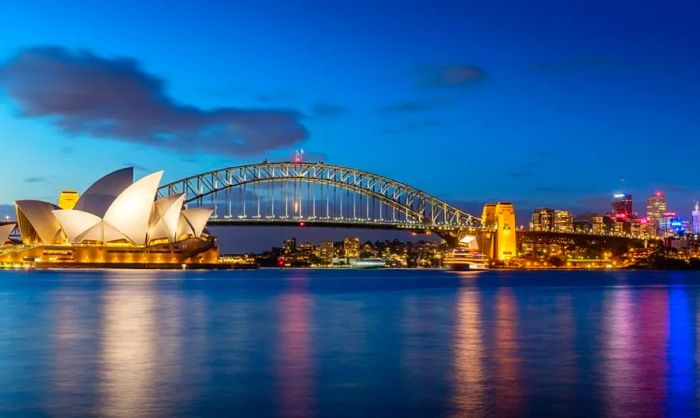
x=335, y=223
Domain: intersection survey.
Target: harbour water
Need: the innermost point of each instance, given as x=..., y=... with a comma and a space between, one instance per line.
x=335, y=343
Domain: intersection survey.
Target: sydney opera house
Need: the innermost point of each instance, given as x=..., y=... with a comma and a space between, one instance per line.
x=116, y=222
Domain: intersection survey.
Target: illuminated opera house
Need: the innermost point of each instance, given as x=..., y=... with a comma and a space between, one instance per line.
x=116, y=222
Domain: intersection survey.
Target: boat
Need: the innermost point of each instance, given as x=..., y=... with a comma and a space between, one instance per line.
x=466, y=259
x=366, y=263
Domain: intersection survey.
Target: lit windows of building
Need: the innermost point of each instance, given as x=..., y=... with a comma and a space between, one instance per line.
x=656, y=207
x=622, y=205
x=563, y=221
x=696, y=218
x=351, y=247
x=602, y=224
x=289, y=246
x=665, y=227
x=542, y=219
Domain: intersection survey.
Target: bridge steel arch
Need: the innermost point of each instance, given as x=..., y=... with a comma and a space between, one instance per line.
x=421, y=210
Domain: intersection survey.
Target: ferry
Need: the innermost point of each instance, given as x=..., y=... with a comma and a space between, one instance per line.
x=466, y=259
x=367, y=263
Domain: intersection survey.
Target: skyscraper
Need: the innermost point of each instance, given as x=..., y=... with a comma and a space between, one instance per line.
x=656, y=207
x=622, y=205
x=696, y=218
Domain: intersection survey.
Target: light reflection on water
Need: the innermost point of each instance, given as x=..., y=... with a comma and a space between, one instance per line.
x=349, y=343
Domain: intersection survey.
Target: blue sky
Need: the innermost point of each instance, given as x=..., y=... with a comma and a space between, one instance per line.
x=544, y=103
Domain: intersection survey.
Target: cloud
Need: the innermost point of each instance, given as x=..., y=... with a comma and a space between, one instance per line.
x=35, y=180
x=114, y=98
x=328, y=110
x=455, y=75
x=137, y=167
x=414, y=106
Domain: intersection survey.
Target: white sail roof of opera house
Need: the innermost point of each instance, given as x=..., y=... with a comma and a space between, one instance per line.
x=165, y=216
x=5, y=231
x=100, y=195
x=113, y=212
x=37, y=222
x=192, y=221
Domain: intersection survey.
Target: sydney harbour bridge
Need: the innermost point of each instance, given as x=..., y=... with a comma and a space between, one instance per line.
x=318, y=194
x=323, y=195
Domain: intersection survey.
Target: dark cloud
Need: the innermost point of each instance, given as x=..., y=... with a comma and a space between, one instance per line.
x=137, y=167
x=328, y=110
x=456, y=75
x=83, y=93
x=35, y=180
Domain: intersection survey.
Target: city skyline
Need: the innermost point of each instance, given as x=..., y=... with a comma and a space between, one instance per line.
x=390, y=82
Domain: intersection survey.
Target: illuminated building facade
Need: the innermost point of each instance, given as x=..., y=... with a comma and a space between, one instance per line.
x=551, y=220
x=601, y=224
x=351, y=247
x=656, y=207
x=116, y=221
x=622, y=205
x=505, y=238
x=542, y=219
x=67, y=199
x=696, y=218
x=498, y=240
x=289, y=246
x=563, y=221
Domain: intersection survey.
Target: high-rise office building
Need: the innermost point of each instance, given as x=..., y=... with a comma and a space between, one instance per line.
x=622, y=205
x=656, y=207
x=696, y=218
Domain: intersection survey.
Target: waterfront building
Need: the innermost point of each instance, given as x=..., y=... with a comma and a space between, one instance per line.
x=622, y=205
x=542, y=219
x=696, y=218
x=656, y=207
x=583, y=226
x=116, y=221
x=551, y=220
x=351, y=247
x=289, y=246
x=563, y=221
x=326, y=251
x=602, y=224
